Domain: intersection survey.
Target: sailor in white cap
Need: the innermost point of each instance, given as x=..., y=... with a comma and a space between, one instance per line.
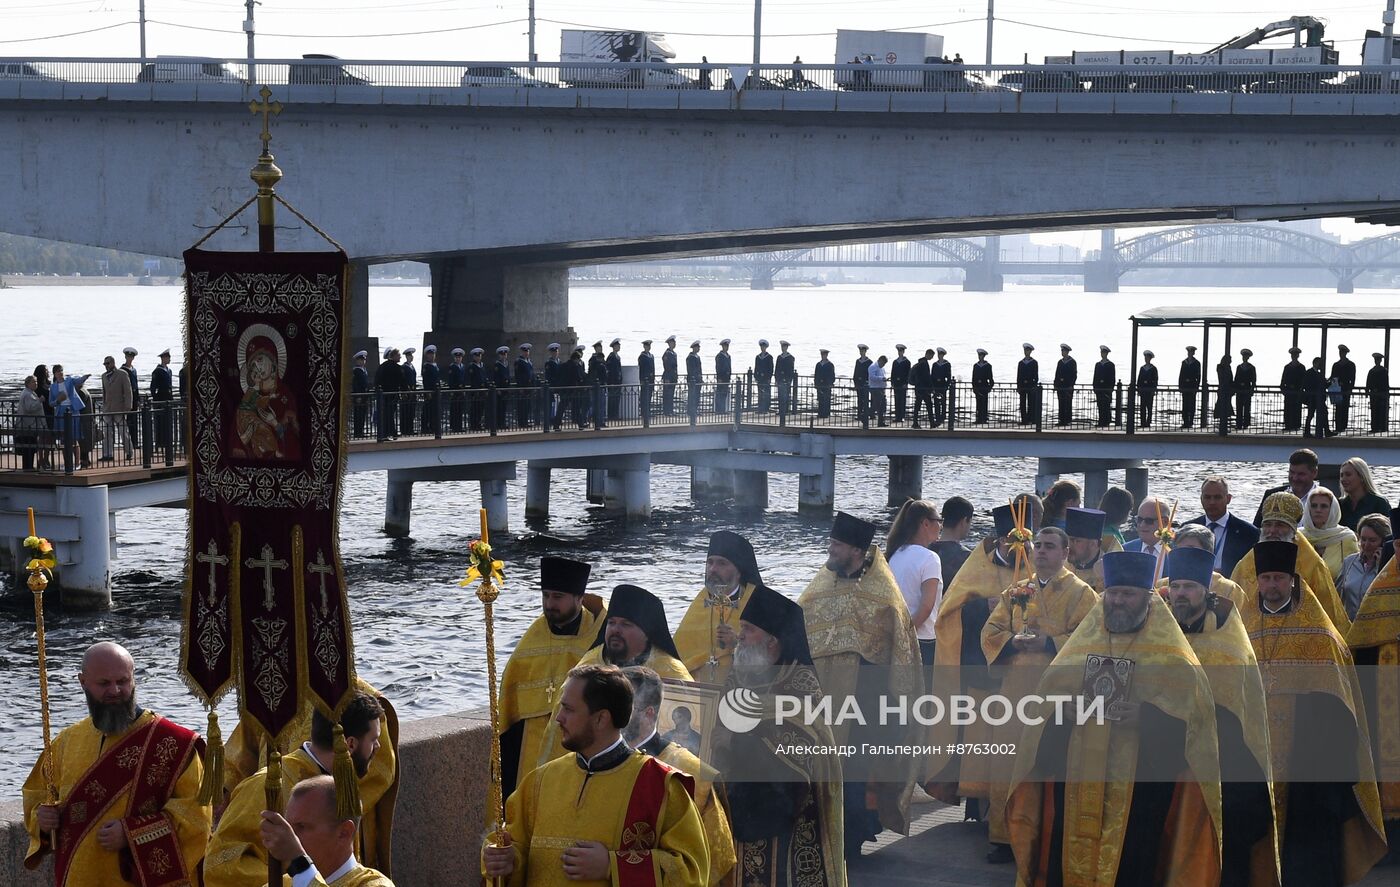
x=941, y=375
x=1378, y=391
x=899, y=380
x=432, y=385
x=646, y=378
x=162, y=393
x=1105, y=378
x=408, y=404
x=1189, y=381
x=500, y=378
x=1344, y=373
x=860, y=378
x=129, y=367
x=1028, y=385
x=1066, y=374
x=670, y=374
x=763, y=376
x=359, y=392
x=694, y=381
x=526, y=380
x=612, y=377
x=389, y=380
x=1146, y=390
x=824, y=379
x=1246, y=380
x=724, y=369
x=785, y=373
x=982, y=384
x=478, y=377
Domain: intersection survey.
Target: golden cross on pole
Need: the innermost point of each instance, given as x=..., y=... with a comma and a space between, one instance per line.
x=266, y=109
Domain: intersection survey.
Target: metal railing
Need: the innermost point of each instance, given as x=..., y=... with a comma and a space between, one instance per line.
x=150, y=436
x=45, y=75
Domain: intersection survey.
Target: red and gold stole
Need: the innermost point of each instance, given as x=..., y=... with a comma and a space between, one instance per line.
x=642, y=828
x=148, y=761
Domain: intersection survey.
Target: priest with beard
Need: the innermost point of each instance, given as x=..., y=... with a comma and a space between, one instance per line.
x=635, y=633
x=1281, y=513
x=786, y=804
x=1200, y=537
x=1085, y=529
x=1325, y=800
x=1019, y=642
x=705, y=637
x=606, y=814
x=961, y=665
x=128, y=781
x=865, y=650
x=1132, y=798
x=1374, y=640
x=648, y=693
x=1215, y=631
x=236, y=855
x=535, y=672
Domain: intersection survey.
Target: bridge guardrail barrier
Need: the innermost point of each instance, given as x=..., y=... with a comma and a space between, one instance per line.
x=94, y=438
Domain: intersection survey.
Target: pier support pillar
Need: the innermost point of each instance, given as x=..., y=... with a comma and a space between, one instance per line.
x=398, y=506
x=634, y=485
x=360, y=339
x=493, y=499
x=1046, y=474
x=85, y=565
x=816, y=493
x=751, y=489
x=536, y=492
x=906, y=479
x=1095, y=483
x=1137, y=483
x=711, y=484
x=478, y=301
x=593, y=484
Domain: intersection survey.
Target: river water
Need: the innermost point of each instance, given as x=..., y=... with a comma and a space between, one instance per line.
x=419, y=637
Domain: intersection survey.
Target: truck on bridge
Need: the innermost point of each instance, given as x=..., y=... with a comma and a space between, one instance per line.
x=589, y=49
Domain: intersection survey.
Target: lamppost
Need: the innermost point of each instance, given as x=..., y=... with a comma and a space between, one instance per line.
x=1388, y=54
x=248, y=29
x=533, y=57
x=757, y=36
x=991, y=19
x=141, y=17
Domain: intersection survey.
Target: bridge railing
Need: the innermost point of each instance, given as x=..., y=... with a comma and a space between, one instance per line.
x=323, y=77
x=150, y=436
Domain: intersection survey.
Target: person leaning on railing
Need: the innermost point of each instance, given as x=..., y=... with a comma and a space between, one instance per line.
x=31, y=423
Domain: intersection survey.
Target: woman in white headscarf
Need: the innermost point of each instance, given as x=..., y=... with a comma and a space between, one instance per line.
x=1322, y=524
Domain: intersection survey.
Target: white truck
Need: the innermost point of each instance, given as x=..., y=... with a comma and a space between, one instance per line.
x=861, y=56
x=597, y=48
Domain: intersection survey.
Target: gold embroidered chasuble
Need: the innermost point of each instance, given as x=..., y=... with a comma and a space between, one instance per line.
x=1301, y=653
x=534, y=677
x=1054, y=611
x=719, y=839
x=1091, y=575
x=695, y=636
x=980, y=580
x=559, y=804
x=1099, y=775
x=236, y=856
x=75, y=752
x=1311, y=569
x=1375, y=641
x=865, y=619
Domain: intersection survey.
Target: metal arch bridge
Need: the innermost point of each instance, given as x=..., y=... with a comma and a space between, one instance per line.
x=1195, y=246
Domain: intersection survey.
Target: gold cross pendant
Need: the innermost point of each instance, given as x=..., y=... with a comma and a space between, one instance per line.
x=265, y=108
x=549, y=692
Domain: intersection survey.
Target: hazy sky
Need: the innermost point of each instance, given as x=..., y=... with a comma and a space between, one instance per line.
x=721, y=29
x=462, y=30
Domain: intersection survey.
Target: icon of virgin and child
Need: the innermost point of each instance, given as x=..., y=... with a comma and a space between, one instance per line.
x=266, y=425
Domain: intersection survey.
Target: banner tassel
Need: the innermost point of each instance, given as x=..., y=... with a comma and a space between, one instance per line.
x=347, y=782
x=212, y=785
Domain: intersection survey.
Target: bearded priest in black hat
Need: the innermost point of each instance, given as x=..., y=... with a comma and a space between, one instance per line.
x=706, y=636
x=533, y=676
x=864, y=647
x=635, y=633
x=786, y=808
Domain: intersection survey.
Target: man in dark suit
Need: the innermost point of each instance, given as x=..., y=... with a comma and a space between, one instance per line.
x=1234, y=536
x=1146, y=389
x=500, y=378
x=162, y=393
x=388, y=379
x=1066, y=374
x=646, y=377
x=1151, y=514
x=1315, y=393
x=408, y=403
x=612, y=375
x=1189, y=381
x=860, y=378
x=942, y=372
x=922, y=377
x=432, y=391
x=1246, y=380
x=1291, y=384
x=724, y=369
x=359, y=392
x=1344, y=371
x=785, y=370
x=1378, y=391
x=899, y=378
x=526, y=381
x=1302, y=478
x=982, y=384
x=1028, y=385
x=478, y=378
x=1105, y=377
x=670, y=373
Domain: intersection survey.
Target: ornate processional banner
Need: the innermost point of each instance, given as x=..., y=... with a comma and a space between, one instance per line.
x=265, y=602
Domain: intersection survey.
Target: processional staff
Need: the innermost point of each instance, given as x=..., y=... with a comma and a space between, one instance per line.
x=41, y=562
x=491, y=574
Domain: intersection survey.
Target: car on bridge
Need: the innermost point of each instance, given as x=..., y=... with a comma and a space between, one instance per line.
x=499, y=75
x=319, y=69
x=22, y=71
x=185, y=69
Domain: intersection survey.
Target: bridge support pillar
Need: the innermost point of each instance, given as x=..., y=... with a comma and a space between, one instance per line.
x=711, y=484
x=751, y=489
x=1046, y=474
x=84, y=575
x=1095, y=484
x=1100, y=277
x=762, y=278
x=360, y=339
x=816, y=493
x=1137, y=483
x=398, y=505
x=482, y=303
x=628, y=491
x=1346, y=285
x=537, y=481
x=493, y=499
x=906, y=479
x=981, y=279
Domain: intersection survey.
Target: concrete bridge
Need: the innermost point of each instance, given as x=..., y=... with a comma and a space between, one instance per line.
x=730, y=456
x=501, y=189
